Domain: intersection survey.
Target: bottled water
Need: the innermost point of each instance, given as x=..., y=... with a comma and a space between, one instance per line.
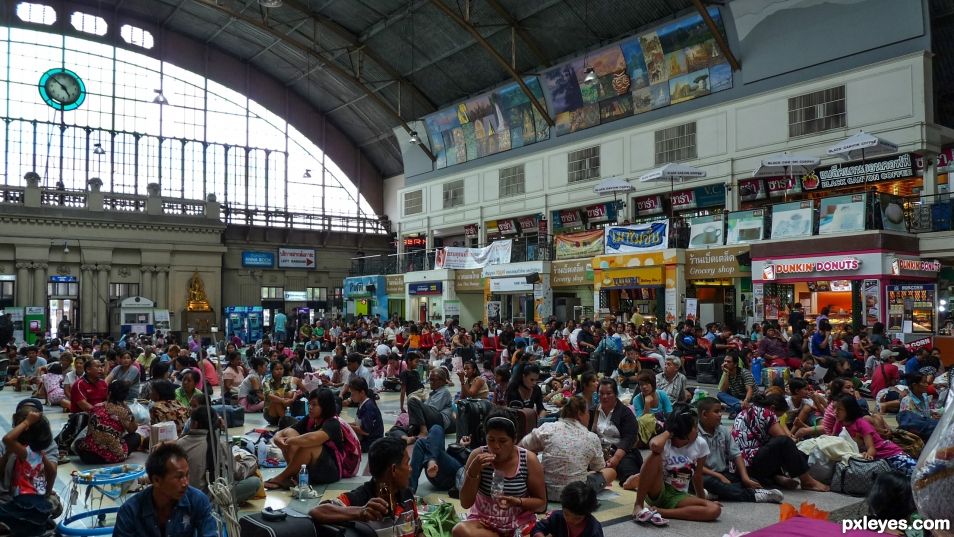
x=302, y=481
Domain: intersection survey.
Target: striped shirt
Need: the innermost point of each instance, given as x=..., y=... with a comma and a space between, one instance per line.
x=514, y=486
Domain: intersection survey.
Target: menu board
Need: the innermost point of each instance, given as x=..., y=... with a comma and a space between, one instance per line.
x=911, y=308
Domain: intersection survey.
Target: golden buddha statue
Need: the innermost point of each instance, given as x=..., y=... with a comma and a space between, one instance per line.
x=197, y=299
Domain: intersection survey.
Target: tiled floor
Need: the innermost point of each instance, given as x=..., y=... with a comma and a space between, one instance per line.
x=616, y=504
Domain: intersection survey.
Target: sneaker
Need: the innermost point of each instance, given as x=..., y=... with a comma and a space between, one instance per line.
x=768, y=496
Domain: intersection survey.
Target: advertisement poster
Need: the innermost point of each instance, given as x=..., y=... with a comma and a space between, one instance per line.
x=842, y=214
x=493, y=310
x=892, y=212
x=705, y=231
x=871, y=294
x=771, y=308
x=637, y=237
x=758, y=303
x=911, y=308
x=692, y=305
x=672, y=308
x=582, y=244
x=745, y=226
x=452, y=257
x=160, y=319
x=790, y=220
x=451, y=308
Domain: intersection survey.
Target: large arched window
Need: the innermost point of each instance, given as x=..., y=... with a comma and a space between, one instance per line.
x=145, y=120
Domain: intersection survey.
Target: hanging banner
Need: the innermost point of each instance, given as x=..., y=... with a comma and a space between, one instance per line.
x=581, y=244
x=506, y=227
x=528, y=224
x=597, y=213
x=692, y=304
x=751, y=190
x=470, y=230
x=637, y=237
x=780, y=186
x=497, y=253
x=568, y=218
x=871, y=294
x=705, y=231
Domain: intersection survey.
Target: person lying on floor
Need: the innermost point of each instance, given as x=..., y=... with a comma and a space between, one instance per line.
x=305, y=443
x=677, y=457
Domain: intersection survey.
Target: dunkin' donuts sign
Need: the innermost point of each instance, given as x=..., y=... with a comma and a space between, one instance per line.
x=772, y=271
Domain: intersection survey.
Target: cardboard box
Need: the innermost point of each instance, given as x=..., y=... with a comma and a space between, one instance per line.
x=162, y=432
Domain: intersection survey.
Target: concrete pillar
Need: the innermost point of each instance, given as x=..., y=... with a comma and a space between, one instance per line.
x=87, y=300
x=23, y=288
x=102, y=298
x=153, y=200
x=162, y=284
x=39, y=284
x=146, y=290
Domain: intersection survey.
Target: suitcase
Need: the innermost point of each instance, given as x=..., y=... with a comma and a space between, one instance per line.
x=524, y=418
x=708, y=370
x=234, y=415
x=255, y=526
x=471, y=414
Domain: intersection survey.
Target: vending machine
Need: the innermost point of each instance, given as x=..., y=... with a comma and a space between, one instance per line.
x=255, y=323
x=236, y=322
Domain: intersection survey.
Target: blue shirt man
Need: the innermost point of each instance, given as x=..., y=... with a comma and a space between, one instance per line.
x=280, y=321
x=169, y=507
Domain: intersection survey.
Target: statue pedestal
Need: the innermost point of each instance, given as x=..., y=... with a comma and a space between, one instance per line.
x=200, y=322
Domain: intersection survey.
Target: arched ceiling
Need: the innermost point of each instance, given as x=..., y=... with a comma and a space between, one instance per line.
x=372, y=65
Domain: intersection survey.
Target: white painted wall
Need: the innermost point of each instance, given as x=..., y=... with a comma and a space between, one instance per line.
x=886, y=98
x=392, y=200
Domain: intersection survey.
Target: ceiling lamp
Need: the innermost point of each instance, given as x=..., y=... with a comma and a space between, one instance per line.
x=306, y=175
x=590, y=75
x=415, y=139
x=270, y=3
x=159, y=98
x=98, y=149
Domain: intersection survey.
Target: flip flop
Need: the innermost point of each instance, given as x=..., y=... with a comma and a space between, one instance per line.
x=272, y=484
x=643, y=516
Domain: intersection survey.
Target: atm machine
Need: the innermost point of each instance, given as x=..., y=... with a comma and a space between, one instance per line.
x=236, y=318
x=254, y=323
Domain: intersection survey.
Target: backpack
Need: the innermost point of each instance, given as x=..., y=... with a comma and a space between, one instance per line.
x=73, y=430
x=857, y=476
x=909, y=442
x=347, y=456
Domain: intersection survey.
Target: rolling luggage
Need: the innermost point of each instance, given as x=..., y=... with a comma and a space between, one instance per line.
x=255, y=526
x=234, y=416
x=708, y=370
x=525, y=420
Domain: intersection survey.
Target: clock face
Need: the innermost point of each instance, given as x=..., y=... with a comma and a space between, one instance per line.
x=62, y=89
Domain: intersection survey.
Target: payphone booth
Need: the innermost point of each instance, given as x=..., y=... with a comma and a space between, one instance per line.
x=254, y=324
x=236, y=318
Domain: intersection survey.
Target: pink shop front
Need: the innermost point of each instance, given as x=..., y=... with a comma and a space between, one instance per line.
x=860, y=288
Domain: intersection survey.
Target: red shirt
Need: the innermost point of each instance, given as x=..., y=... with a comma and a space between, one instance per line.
x=884, y=376
x=92, y=393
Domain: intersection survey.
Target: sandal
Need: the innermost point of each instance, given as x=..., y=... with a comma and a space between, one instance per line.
x=272, y=484
x=643, y=516
x=657, y=520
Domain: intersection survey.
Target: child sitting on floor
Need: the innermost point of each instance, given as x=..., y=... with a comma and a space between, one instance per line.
x=872, y=445
x=677, y=457
x=51, y=387
x=576, y=518
x=30, y=510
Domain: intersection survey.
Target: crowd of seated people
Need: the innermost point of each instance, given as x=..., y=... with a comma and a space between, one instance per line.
x=600, y=395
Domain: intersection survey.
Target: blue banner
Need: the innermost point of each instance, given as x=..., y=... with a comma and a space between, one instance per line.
x=637, y=237
x=258, y=259
x=425, y=288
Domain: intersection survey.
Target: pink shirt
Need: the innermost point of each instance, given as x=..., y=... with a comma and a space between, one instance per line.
x=861, y=428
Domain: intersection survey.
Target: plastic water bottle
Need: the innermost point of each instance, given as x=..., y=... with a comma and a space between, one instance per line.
x=302, y=481
x=261, y=449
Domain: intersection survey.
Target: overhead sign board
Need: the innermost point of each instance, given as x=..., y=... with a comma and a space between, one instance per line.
x=258, y=259
x=296, y=258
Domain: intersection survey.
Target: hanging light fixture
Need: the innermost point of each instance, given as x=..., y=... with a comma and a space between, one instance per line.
x=98, y=149
x=306, y=175
x=415, y=139
x=590, y=75
x=270, y=3
x=159, y=98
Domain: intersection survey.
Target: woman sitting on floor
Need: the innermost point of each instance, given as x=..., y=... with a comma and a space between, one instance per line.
x=650, y=406
x=503, y=484
x=313, y=442
x=280, y=392
x=111, y=433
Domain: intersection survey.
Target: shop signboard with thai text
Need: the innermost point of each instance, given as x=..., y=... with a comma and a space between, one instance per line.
x=682, y=201
x=296, y=258
x=716, y=263
x=857, y=173
x=468, y=280
x=649, y=205
x=571, y=273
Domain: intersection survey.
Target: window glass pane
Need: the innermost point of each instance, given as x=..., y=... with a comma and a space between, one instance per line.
x=36, y=13
x=136, y=36
x=91, y=24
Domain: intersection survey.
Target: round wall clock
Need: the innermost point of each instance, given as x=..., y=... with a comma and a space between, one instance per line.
x=62, y=89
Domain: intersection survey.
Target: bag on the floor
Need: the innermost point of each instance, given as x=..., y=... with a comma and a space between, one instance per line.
x=74, y=428
x=255, y=526
x=347, y=456
x=909, y=442
x=245, y=463
x=772, y=376
x=299, y=408
x=525, y=420
x=857, y=476
x=234, y=416
x=459, y=452
x=708, y=370
x=471, y=414
x=256, y=442
x=916, y=423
